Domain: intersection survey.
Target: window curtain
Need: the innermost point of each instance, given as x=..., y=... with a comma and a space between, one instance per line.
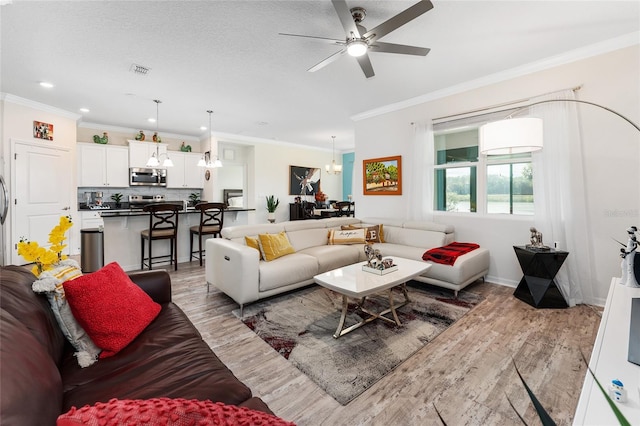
x=421, y=179
x=560, y=200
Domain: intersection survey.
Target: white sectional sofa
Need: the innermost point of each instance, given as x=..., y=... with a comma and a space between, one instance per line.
x=236, y=269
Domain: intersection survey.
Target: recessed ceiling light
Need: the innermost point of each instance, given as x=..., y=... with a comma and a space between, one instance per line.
x=46, y=84
x=85, y=110
x=151, y=120
x=203, y=127
x=262, y=123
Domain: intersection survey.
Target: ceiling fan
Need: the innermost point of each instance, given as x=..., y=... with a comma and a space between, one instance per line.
x=359, y=41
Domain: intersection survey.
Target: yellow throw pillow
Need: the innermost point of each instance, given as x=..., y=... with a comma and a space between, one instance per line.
x=253, y=243
x=273, y=246
x=375, y=234
x=347, y=236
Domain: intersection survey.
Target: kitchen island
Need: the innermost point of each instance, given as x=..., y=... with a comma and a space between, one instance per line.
x=122, y=229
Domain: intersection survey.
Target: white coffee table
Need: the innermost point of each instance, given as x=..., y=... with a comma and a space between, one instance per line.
x=352, y=281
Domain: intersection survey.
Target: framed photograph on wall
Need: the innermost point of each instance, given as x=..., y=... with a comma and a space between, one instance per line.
x=382, y=176
x=303, y=180
x=42, y=130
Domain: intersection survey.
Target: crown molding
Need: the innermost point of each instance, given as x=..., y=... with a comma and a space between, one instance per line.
x=596, y=49
x=7, y=97
x=252, y=140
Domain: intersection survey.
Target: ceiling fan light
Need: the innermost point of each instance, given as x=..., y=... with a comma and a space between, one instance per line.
x=357, y=48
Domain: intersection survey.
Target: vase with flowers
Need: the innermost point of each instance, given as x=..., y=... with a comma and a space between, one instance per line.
x=46, y=258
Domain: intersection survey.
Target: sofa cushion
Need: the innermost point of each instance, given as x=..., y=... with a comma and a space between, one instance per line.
x=334, y=256
x=50, y=283
x=414, y=237
x=110, y=307
x=303, y=239
x=30, y=388
x=399, y=250
x=290, y=269
x=156, y=411
x=167, y=359
x=466, y=266
x=273, y=246
x=31, y=309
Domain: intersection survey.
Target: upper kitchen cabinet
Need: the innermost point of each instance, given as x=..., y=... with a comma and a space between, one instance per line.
x=103, y=165
x=139, y=152
x=185, y=172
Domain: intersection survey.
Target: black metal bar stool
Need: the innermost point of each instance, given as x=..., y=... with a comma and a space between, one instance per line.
x=211, y=220
x=163, y=225
x=346, y=208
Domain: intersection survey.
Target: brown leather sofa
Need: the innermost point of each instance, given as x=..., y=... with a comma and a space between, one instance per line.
x=40, y=378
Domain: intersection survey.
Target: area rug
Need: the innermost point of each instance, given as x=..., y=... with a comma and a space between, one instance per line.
x=300, y=327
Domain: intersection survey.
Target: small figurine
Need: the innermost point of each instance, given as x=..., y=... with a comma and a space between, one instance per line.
x=535, y=240
x=156, y=138
x=628, y=255
x=102, y=140
x=374, y=258
x=185, y=148
x=617, y=391
x=140, y=136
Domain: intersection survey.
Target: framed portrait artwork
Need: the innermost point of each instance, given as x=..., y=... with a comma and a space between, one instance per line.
x=304, y=180
x=382, y=176
x=42, y=130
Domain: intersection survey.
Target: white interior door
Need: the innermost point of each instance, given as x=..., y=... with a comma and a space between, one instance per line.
x=41, y=180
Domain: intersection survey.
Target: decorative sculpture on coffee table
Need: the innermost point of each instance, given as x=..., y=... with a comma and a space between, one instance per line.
x=630, y=271
x=375, y=260
x=536, y=241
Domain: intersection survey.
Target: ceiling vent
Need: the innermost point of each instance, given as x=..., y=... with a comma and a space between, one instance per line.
x=139, y=69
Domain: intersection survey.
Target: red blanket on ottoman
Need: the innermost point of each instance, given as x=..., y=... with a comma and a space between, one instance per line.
x=448, y=254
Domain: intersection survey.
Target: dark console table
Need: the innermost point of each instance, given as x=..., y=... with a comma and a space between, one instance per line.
x=537, y=286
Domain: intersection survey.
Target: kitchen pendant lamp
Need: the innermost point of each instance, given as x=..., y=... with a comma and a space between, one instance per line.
x=154, y=160
x=333, y=168
x=205, y=161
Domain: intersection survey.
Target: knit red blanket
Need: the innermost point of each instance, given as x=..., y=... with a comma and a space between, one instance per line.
x=448, y=254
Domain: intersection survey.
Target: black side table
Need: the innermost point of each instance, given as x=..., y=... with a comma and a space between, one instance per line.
x=537, y=286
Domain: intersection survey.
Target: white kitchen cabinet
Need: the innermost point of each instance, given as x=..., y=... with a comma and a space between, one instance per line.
x=185, y=172
x=103, y=165
x=139, y=152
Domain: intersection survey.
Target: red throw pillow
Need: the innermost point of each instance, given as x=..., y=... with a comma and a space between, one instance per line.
x=166, y=411
x=110, y=307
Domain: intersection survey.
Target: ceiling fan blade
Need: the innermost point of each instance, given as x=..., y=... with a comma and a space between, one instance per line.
x=399, y=20
x=322, y=39
x=344, y=14
x=399, y=48
x=365, y=64
x=327, y=61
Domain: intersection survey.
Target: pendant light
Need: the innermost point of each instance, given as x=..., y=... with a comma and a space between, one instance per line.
x=154, y=160
x=205, y=161
x=333, y=168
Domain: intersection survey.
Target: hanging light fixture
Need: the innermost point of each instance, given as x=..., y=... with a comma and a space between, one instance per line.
x=154, y=160
x=205, y=161
x=333, y=168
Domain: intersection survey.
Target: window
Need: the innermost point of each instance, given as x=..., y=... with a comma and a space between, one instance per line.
x=467, y=182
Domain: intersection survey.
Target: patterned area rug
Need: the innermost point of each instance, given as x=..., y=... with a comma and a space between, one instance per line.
x=300, y=327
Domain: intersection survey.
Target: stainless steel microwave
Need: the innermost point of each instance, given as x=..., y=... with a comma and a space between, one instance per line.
x=147, y=177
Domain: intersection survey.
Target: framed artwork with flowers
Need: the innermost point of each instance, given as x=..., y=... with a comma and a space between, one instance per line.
x=43, y=130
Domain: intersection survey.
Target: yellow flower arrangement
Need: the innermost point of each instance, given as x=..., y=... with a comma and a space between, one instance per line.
x=44, y=258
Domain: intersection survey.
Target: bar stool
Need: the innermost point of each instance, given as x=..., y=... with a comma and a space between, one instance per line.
x=163, y=225
x=211, y=220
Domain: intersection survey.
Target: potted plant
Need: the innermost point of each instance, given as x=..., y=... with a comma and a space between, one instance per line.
x=272, y=205
x=195, y=198
x=117, y=198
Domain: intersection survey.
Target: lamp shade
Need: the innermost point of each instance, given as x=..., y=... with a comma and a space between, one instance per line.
x=511, y=136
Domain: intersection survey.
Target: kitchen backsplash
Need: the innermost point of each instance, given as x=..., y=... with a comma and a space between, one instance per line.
x=169, y=194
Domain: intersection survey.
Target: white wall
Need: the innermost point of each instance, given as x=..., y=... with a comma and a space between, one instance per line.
x=611, y=161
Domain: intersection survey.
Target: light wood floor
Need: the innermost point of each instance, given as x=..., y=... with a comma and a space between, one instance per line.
x=466, y=372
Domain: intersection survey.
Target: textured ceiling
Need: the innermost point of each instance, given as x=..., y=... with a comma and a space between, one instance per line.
x=227, y=56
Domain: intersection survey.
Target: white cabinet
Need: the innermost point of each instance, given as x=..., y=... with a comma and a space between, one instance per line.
x=139, y=152
x=185, y=172
x=103, y=165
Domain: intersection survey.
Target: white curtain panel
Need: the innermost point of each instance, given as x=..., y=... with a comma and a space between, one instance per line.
x=560, y=200
x=421, y=179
